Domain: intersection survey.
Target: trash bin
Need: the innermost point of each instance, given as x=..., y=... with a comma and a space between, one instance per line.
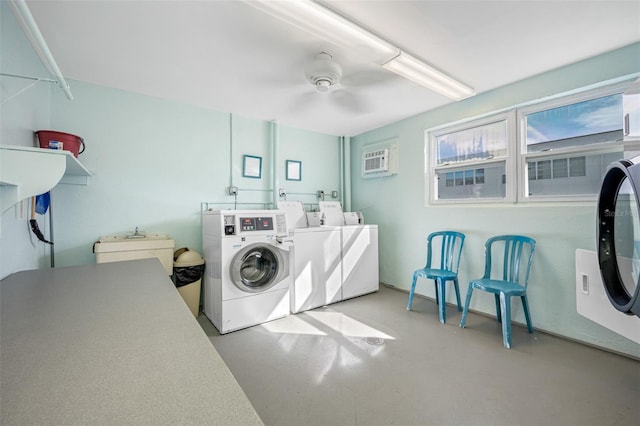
x=188, y=268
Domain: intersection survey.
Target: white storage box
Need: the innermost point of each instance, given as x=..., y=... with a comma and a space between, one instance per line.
x=116, y=248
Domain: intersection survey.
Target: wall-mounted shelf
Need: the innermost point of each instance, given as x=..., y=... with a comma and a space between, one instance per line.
x=26, y=171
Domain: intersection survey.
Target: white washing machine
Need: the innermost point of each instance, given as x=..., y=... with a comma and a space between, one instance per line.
x=358, y=247
x=317, y=259
x=249, y=267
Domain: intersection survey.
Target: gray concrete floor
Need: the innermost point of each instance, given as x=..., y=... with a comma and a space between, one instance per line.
x=368, y=361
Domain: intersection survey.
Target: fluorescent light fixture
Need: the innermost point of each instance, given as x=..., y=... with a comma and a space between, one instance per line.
x=417, y=71
x=318, y=20
x=22, y=12
x=328, y=25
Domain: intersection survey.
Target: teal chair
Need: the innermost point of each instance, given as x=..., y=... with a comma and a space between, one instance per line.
x=509, y=257
x=449, y=243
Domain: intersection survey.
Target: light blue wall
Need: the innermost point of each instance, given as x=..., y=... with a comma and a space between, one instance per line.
x=21, y=113
x=319, y=155
x=397, y=204
x=154, y=162
x=248, y=137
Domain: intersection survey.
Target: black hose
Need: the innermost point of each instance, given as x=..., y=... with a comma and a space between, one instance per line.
x=36, y=230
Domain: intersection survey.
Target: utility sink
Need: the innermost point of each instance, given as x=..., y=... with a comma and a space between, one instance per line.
x=139, y=236
x=116, y=248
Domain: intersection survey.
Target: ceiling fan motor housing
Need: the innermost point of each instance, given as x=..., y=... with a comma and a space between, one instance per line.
x=323, y=72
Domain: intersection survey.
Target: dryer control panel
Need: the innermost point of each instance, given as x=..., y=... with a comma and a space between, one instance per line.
x=256, y=223
x=248, y=222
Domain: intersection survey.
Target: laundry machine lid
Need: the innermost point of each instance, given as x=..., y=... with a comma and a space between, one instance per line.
x=333, y=213
x=294, y=211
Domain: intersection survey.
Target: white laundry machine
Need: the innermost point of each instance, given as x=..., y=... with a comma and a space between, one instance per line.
x=358, y=247
x=317, y=260
x=249, y=267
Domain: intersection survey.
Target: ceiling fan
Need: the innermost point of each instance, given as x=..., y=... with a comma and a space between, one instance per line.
x=323, y=72
x=332, y=86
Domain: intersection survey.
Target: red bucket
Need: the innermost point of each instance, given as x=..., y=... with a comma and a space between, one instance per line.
x=60, y=140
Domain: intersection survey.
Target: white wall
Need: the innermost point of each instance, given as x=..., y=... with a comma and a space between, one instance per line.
x=397, y=204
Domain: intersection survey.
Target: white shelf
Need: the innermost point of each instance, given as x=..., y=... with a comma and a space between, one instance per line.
x=26, y=171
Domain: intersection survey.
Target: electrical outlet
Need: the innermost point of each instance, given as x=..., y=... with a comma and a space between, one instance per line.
x=233, y=190
x=282, y=192
x=334, y=194
x=321, y=195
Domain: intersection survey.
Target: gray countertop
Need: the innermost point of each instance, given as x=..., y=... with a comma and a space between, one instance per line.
x=111, y=343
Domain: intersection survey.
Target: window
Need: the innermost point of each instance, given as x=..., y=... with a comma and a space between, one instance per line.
x=476, y=143
x=560, y=168
x=560, y=151
x=567, y=145
x=578, y=167
x=466, y=177
x=543, y=170
x=470, y=160
x=557, y=168
x=470, y=183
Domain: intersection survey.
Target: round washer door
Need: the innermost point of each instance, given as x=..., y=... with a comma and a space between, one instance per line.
x=619, y=235
x=258, y=267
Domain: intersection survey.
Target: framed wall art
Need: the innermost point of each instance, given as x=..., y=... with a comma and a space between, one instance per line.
x=252, y=166
x=294, y=170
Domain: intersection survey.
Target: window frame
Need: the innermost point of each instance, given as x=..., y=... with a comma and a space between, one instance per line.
x=432, y=169
x=593, y=149
x=515, y=161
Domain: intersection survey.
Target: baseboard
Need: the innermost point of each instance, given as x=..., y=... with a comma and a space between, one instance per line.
x=522, y=325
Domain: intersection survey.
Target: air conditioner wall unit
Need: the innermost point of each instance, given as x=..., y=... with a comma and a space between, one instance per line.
x=375, y=161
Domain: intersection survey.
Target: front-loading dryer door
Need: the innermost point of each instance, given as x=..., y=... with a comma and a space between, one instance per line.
x=258, y=267
x=619, y=235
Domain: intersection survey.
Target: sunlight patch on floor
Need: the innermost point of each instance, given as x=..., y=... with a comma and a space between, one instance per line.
x=336, y=321
x=293, y=325
x=346, y=325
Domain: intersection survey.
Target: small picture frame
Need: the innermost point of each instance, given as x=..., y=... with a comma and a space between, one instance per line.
x=294, y=170
x=252, y=166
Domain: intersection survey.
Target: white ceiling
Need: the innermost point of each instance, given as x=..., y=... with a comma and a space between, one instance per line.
x=231, y=57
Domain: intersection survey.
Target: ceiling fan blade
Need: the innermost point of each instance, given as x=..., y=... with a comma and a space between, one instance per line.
x=304, y=101
x=368, y=77
x=348, y=101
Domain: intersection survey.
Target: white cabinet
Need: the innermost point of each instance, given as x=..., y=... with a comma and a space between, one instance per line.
x=26, y=171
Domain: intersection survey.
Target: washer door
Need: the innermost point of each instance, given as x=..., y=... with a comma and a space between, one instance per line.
x=619, y=235
x=258, y=267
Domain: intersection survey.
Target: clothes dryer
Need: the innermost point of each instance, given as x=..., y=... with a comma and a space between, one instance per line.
x=250, y=267
x=317, y=260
